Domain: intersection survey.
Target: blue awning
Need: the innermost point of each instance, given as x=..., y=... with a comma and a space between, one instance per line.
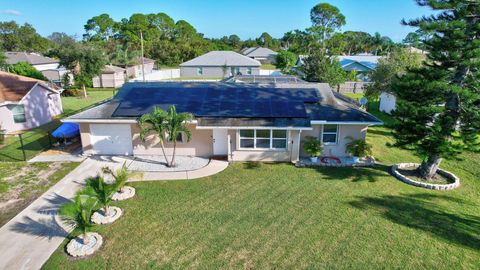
x=67, y=130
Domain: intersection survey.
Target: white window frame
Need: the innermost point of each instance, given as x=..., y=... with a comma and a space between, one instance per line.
x=199, y=70
x=249, y=71
x=336, y=133
x=15, y=114
x=254, y=138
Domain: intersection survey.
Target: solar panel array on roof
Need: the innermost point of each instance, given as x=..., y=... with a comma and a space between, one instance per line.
x=232, y=101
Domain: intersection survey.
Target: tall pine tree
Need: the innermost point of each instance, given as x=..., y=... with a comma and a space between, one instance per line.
x=438, y=108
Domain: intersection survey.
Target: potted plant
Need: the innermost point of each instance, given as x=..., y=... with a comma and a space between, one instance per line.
x=313, y=147
x=358, y=148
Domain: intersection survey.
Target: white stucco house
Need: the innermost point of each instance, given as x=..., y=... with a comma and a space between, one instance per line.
x=388, y=102
x=219, y=64
x=111, y=77
x=26, y=103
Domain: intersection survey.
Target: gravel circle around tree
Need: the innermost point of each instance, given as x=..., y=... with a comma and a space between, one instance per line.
x=453, y=179
x=114, y=213
x=76, y=248
x=128, y=192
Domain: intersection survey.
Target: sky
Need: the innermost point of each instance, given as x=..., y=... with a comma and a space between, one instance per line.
x=246, y=18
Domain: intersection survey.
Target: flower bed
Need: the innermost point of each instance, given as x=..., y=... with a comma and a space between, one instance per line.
x=455, y=181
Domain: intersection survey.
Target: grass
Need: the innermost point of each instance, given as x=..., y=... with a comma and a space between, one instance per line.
x=24, y=182
x=268, y=66
x=36, y=140
x=265, y=216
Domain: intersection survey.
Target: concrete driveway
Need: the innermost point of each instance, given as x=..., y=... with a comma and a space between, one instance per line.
x=30, y=238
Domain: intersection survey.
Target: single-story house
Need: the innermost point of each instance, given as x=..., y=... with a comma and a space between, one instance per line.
x=242, y=122
x=363, y=64
x=57, y=75
x=388, y=102
x=37, y=60
x=264, y=55
x=26, y=103
x=135, y=70
x=219, y=64
x=49, y=67
x=111, y=77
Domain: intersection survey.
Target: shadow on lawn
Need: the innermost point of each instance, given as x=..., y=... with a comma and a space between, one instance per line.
x=421, y=212
x=357, y=174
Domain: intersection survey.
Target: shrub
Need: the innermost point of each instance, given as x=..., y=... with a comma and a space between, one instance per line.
x=359, y=148
x=313, y=146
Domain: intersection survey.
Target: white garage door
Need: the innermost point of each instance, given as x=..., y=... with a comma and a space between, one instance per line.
x=111, y=139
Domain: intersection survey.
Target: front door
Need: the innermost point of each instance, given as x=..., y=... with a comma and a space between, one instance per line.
x=220, y=142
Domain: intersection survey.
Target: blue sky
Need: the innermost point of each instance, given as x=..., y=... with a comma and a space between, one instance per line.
x=247, y=18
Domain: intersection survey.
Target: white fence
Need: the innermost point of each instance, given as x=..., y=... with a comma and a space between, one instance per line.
x=352, y=87
x=158, y=75
x=268, y=72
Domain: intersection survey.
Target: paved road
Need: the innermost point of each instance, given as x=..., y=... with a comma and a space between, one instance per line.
x=30, y=238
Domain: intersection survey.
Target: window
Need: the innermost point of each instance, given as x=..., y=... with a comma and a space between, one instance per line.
x=235, y=70
x=200, y=71
x=279, y=139
x=263, y=139
x=179, y=138
x=19, y=114
x=249, y=71
x=330, y=134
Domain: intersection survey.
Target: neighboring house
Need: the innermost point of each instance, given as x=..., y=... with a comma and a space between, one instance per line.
x=388, y=102
x=219, y=64
x=111, y=77
x=56, y=76
x=26, y=103
x=135, y=70
x=49, y=67
x=243, y=122
x=264, y=55
x=38, y=61
x=363, y=64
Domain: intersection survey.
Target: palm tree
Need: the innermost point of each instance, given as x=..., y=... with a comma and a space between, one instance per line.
x=155, y=121
x=120, y=177
x=96, y=187
x=176, y=125
x=78, y=213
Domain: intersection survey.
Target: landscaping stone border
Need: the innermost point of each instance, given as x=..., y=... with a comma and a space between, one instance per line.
x=100, y=218
x=128, y=193
x=403, y=178
x=76, y=248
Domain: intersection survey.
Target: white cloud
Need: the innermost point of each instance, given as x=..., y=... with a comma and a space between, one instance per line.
x=11, y=12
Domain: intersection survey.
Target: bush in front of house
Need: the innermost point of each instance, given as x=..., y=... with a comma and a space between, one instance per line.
x=313, y=147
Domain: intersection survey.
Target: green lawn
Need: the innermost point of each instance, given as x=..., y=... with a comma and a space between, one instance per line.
x=21, y=183
x=36, y=140
x=265, y=216
x=268, y=66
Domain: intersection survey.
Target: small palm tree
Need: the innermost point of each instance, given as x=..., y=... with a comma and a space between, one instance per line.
x=120, y=177
x=176, y=125
x=96, y=187
x=156, y=121
x=78, y=213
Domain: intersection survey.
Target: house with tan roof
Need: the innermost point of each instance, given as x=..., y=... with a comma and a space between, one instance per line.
x=111, y=77
x=26, y=103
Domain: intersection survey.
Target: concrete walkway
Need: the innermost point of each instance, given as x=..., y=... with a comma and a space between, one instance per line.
x=30, y=238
